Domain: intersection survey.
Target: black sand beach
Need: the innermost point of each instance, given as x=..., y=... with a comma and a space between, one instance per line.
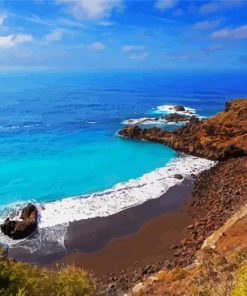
x=120, y=240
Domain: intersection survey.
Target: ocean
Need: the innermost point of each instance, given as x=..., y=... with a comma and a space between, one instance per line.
x=58, y=131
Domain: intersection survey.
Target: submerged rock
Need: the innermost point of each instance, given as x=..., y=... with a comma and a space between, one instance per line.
x=220, y=137
x=21, y=229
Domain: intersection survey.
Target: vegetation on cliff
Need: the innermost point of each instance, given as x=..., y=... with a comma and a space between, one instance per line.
x=23, y=279
x=219, y=270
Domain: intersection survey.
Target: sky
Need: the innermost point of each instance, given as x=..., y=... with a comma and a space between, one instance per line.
x=123, y=34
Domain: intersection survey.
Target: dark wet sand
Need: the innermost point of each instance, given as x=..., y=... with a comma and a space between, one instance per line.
x=132, y=238
x=127, y=240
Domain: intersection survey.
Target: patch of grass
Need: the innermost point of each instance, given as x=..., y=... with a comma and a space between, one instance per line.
x=217, y=275
x=178, y=274
x=240, y=287
x=23, y=279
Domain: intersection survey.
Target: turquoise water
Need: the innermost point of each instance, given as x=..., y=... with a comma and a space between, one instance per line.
x=57, y=131
x=76, y=169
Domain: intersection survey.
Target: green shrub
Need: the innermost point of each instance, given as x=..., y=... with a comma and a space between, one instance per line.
x=23, y=279
x=240, y=287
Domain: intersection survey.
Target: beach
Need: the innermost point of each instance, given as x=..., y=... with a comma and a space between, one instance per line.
x=128, y=236
x=57, y=220
x=129, y=240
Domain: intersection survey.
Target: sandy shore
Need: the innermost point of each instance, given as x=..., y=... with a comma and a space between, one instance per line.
x=118, y=241
x=132, y=238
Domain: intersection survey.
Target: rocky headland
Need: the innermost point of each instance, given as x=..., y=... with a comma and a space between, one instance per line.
x=219, y=137
x=172, y=118
x=219, y=194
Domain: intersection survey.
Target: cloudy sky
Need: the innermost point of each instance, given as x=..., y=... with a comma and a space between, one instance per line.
x=123, y=34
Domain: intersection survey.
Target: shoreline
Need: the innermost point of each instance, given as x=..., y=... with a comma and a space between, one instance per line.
x=170, y=236
x=123, y=195
x=51, y=240
x=93, y=235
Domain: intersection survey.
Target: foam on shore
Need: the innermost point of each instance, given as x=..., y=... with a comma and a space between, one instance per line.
x=170, y=109
x=122, y=195
x=159, y=120
x=151, y=121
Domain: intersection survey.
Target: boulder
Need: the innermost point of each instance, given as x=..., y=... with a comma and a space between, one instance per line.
x=179, y=108
x=30, y=212
x=178, y=176
x=25, y=227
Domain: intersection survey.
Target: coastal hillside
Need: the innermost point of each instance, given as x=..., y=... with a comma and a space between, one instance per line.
x=211, y=260
x=220, y=267
x=220, y=137
x=23, y=279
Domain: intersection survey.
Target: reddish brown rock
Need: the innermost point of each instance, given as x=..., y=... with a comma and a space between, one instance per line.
x=175, y=117
x=220, y=137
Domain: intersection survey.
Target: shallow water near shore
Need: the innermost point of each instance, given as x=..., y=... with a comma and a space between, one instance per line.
x=58, y=131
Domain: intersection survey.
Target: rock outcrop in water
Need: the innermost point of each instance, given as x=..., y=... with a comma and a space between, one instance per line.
x=21, y=229
x=175, y=117
x=220, y=137
x=179, y=108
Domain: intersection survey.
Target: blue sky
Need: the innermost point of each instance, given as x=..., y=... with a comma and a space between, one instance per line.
x=123, y=35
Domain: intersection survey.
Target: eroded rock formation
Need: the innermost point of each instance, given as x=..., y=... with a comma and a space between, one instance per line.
x=220, y=137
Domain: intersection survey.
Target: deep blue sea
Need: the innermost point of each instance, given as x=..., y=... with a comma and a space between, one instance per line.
x=58, y=130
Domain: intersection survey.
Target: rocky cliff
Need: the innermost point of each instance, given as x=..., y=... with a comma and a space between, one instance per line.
x=219, y=137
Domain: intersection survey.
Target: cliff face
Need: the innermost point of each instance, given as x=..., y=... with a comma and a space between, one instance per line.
x=222, y=136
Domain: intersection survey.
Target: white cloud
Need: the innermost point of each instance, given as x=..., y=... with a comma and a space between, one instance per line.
x=91, y=9
x=237, y=33
x=21, y=38
x=70, y=23
x=55, y=35
x=241, y=32
x=219, y=5
x=209, y=8
x=165, y=4
x=213, y=48
x=138, y=51
x=106, y=24
x=223, y=33
x=205, y=25
x=140, y=56
x=3, y=16
x=97, y=45
x=129, y=48
x=177, y=55
x=12, y=41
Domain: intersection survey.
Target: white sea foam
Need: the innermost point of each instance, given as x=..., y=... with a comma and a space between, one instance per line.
x=145, y=120
x=55, y=216
x=170, y=109
x=151, y=121
x=161, y=110
x=122, y=195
